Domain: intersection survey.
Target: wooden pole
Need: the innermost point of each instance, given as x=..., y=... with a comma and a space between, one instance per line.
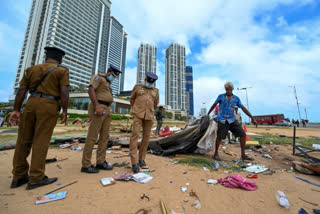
x=294, y=141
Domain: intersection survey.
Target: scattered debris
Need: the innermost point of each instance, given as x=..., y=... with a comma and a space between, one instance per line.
x=308, y=202
x=107, y=181
x=51, y=197
x=183, y=189
x=205, y=169
x=196, y=204
x=163, y=208
x=252, y=176
x=61, y=187
x=212, y=181
x=237, y=181
x=59, y=166
x=51, y=160
x=6, y=194
x=256, y=169
x=302, y=211
x=267, y=156
x=143, y=211
x=282, y=199
x=145, y=196
x=305, y=180
x=123, y=164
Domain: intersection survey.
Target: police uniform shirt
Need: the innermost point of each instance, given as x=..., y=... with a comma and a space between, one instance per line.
x=101, y=87
x=51, y=84
x=145, y=101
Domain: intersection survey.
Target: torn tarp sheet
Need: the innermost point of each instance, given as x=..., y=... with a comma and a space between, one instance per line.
x=182, y=142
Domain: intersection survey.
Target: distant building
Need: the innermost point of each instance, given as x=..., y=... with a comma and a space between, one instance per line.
x=63, y=24
x=175, y=77
x=147, y=61
x=203, y=110
x=189, y=90
x=81, y=101
x=116, y=55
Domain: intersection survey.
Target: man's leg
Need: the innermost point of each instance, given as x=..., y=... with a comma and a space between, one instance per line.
x=221, y=134
x=46, y=119
x=20, y=169
x=147, y=125
x=133, y=147
x=238, y=131
x=103, y=139
x=93, y=132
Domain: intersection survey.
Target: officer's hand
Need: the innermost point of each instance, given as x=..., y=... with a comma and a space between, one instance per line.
x=14, y=118
x=99, y=111
x=64, y=117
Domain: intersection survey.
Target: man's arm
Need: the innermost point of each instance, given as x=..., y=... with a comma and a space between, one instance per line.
x=212, y=107
x=133, y=96
x=64, y=96
x=245, y=110
x=93, y=98
x=15, y=115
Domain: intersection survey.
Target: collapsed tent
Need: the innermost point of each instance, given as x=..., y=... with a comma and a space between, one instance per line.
x=198, y=137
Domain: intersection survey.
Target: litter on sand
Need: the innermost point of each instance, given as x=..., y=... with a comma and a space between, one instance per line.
x=212, y=181
x=51, y=197
x=256, y=169
x=183, y=189
x=282, y=199
x=237, y=181
x=305, y=180
x=107, y=181
x=142, y=177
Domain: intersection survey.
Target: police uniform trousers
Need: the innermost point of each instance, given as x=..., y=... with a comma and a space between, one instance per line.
x=99, y=126
x=35, y=130
x=146, y=126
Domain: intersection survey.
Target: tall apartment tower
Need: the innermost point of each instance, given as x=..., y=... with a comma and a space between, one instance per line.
x=116, y=52
x=80, y=28
x=189, y=90
x=175, y=77
x=147, y=61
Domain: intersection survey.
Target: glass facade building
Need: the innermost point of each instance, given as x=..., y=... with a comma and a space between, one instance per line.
x=62, y=24
x=189, y=90
x=117, y=52
x=147, y=61
x=175, y=77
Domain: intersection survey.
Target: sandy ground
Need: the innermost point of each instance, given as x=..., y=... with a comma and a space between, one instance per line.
x=288, y=131
x=88, y=195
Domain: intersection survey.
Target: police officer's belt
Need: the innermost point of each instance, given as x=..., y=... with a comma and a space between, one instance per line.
x=34, y=94
x=104, y=103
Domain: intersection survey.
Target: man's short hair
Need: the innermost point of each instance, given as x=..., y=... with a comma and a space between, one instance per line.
x=228, y=85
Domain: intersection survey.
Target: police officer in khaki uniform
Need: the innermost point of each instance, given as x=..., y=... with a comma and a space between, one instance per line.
x=144, y=99
x=39, y=117
x=99, y=113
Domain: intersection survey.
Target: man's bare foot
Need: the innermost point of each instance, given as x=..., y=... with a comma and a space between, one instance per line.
x=246, y=157
x=216, y=157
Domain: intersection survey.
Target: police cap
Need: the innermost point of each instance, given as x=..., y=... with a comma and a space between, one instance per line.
x=115, y=70
x=151, y=77
x=54, y=53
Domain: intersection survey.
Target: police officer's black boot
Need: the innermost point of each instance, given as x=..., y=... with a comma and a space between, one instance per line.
x=135, y=168
x=104, y=166
x=19, y=182
x=90, y=169
x=42, y=182
x=143, y=164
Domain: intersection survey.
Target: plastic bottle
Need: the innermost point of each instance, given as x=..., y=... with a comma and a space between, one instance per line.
x=282, y=199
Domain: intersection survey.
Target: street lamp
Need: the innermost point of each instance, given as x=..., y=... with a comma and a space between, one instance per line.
x=295, y=94
x=245, y=88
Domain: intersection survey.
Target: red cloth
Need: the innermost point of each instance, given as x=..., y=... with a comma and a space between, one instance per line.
x=237, y=181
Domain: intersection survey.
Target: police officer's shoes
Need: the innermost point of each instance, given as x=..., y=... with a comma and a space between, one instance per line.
x=43, y=182
x=19, y=182
x=143, y=164
x=135, y=168
x=90, y=169
x=104, y=166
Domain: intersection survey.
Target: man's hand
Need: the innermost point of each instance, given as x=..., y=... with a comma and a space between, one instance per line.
x=64, y=117
x=99, y=111
x=14, y=117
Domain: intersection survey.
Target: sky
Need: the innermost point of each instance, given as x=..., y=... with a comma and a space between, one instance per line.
x=267, y=46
